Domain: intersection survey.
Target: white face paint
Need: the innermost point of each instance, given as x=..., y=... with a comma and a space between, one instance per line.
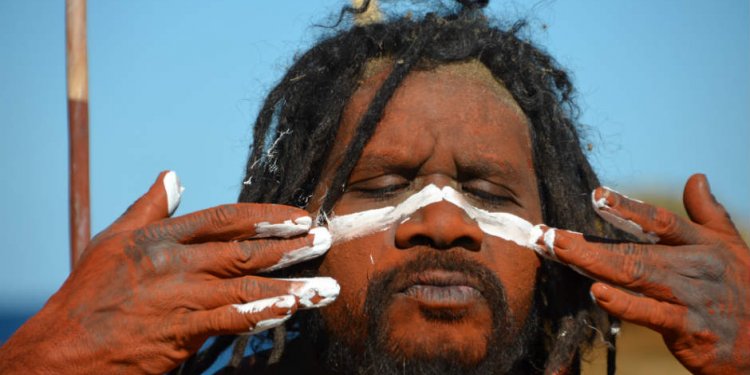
x=498, y=224
x=608, y=214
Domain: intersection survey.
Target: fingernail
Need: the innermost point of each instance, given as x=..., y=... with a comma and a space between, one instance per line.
x=602, y=289
x=321, y=244
x=286, y=229
x=613, y=217
x=315, y=291
x=174, y=191
x=604, y=208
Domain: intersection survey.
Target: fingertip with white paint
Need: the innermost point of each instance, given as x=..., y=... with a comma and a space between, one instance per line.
x=289, y=228
x=315, y=292
x=174, y=191
x=612, y=216
x=321, y=243
x=286, y=302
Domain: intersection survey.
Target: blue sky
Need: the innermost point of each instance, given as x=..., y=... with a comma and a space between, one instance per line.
x=664, y=87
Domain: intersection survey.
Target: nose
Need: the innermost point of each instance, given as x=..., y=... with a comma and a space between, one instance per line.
x=441, y=226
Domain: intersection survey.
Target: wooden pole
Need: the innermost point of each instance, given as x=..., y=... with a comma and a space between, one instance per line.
x=78, y=123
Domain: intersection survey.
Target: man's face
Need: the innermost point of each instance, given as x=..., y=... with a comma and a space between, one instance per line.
x=438, y=287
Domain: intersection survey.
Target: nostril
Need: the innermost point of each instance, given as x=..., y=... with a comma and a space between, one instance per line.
x=467, y=243
x=421, y=240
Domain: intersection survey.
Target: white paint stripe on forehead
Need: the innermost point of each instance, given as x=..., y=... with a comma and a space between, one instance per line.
x=498, y=224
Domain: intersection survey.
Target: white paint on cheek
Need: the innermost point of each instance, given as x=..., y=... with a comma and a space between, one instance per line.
x=499, y=224
x=372, y=260
x=325, y=288
x=321, y=243
x=286, y=229
x=174, y=191
x=629, y=226
x=347, y=227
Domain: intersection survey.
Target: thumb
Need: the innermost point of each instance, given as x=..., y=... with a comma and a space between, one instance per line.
x=702, y=207
x=159, y=202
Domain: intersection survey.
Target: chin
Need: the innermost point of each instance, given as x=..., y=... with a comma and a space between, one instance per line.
x=412, y=330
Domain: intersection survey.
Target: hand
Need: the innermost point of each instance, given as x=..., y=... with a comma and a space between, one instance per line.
x=149, y=290
x=693, y=286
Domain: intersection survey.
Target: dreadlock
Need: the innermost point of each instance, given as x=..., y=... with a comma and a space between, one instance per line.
x=296, y=126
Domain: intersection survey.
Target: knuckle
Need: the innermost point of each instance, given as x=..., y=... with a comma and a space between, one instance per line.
x=222, y=215
x=712, y=267
x=666, y=222
x=635, y=272
x=656, y=317
x=248, y=289
x=216, y=322
x=245, y=251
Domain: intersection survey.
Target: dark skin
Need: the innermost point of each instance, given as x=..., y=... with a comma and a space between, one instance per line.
x=692, y=286
x=489, y=160
x=150, y=289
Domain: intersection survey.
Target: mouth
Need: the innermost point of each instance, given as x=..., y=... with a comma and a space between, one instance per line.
x=442, y=290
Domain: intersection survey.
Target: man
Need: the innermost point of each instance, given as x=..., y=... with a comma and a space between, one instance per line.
x=428, y=148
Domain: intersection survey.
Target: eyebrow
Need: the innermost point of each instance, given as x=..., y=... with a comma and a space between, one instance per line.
x=484, y=167
x=379, y=162
x=489, y=167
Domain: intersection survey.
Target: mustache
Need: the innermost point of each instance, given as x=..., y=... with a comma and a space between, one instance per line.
x=383, y=286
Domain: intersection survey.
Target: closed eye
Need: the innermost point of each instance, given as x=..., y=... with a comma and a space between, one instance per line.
x=489, y=194
x=382, y=187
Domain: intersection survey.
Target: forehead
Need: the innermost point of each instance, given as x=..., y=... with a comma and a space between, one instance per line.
x=457, y=108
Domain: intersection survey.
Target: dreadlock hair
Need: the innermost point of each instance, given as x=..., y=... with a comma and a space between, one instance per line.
x=299, y=120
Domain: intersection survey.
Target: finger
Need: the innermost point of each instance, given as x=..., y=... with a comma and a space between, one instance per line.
x=158, y=203
x=253, y=317
x=227, y=259
x=660, y=316
x=634, y=266
x=646, y=222
x=702, y=207
x=314, y=292
x=233, y=222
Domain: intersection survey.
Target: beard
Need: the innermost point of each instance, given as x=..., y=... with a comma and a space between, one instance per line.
x=512, y=348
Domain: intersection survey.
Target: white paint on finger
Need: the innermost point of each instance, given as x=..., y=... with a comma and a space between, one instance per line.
x=255, y=307
x=321, y=243
x=286, y=301
x=549, y=242
x=174, y=191
x=288, y=228
x=326, y=290
x=612, y=216
x=267, y=324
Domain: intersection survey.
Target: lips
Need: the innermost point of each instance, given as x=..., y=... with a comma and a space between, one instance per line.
x=442, y=289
